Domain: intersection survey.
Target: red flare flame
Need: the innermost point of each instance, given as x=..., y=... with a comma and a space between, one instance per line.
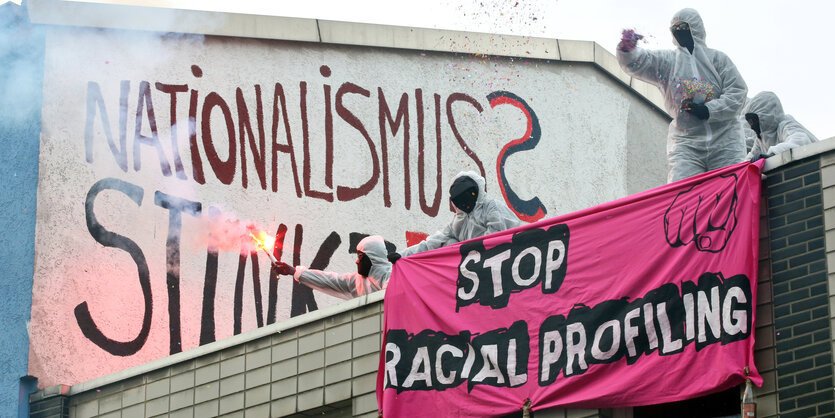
x=263, y=240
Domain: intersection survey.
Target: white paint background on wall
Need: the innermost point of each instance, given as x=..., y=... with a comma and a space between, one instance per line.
x=578, y=163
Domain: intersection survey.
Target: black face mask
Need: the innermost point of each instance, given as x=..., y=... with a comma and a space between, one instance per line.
x=363, y=264
x=753, y=121
x=684, y=38
x=464, y=193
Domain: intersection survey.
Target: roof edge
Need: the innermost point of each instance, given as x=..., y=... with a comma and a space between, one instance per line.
x=799, y=153
x=220, y=345
x=157, y=19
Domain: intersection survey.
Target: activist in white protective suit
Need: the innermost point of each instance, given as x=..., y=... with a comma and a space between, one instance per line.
x=476, y=215
x=776, y=131
x=373, y=271
x=703, y=92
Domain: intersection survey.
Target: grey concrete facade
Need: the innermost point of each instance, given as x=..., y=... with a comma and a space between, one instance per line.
x=325, y=362
x=320, y=363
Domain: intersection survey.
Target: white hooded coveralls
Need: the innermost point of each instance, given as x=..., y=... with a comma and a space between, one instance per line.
x=694, y=146
x=351, y=285
x=488, y=216
x=779, y=131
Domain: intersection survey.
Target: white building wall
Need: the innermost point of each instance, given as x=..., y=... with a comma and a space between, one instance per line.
x=125, y=244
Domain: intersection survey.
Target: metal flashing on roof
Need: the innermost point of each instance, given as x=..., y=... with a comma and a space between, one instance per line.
x=367, y=34
x=576, y=50
x=799, y=153
x=116, y=16
x=155, y=19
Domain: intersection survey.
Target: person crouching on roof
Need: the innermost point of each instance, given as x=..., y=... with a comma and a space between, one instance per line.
x=476, y=215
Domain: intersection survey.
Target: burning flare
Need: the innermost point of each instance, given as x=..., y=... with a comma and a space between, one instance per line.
x=265, y=242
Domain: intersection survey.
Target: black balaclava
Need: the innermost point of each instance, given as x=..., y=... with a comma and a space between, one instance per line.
x=754, y=122
x=463, y=193
x=363, y=264
x=683, y=37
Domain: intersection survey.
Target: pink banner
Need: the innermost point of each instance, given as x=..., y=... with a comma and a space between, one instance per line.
x=644, y=300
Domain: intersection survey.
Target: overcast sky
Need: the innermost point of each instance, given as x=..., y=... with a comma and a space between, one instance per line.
x=782, y=46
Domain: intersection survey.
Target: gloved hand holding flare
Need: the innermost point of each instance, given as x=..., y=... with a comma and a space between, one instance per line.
x=266, y=243
x=284, y=269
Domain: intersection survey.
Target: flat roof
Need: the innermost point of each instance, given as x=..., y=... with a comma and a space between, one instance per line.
x=158, y=19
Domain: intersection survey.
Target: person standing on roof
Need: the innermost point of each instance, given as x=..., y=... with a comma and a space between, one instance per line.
x=373, y=271
x=703, y=92
x=476, y=215
x=776, y=131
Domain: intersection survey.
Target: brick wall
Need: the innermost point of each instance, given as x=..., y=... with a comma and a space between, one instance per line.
x=800, y=289
x=764, y=355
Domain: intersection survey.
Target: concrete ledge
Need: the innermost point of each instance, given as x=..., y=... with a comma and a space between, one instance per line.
x=587, y=51
x=799, y=153
x=167, y=20
x=816, y=148
x=367, y=34
x=650, y=91
x=608, y=62
x=115, y=16
x=576, y=50
x=49, y=392
x=225, y=343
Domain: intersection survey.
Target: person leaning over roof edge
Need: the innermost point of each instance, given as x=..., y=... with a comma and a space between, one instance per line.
x=476, y=215
x=373, y=272
x=776, y=131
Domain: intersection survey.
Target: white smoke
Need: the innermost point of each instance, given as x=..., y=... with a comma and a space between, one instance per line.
x=225, y=231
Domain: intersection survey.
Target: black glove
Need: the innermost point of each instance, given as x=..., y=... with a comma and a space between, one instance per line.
x=761, y=156
x=393, y=257
x=284, y=269
x=698, y=110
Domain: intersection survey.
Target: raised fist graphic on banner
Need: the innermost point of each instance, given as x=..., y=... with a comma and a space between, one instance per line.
x=705, y=215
